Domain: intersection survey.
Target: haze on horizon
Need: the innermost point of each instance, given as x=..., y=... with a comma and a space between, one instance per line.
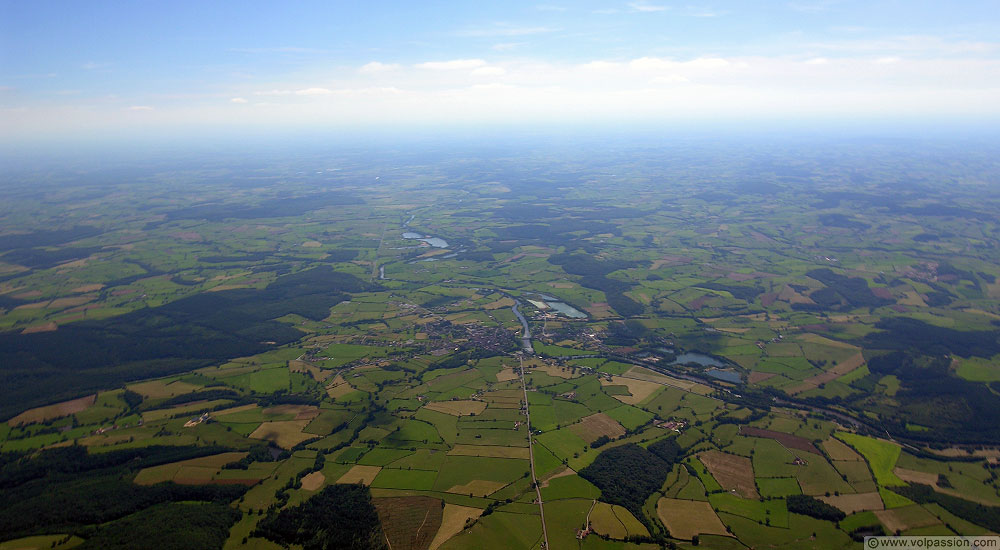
x=79, y=70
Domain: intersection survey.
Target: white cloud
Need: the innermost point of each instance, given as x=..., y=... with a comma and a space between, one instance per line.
x=697, y=11
x=644, y=6
x=314, y=91
x=926, y=45
x=654, y=64
x=507, y=46
x=489, y=71
x=300, y=92
x=377, y=67
x=454, y=64
x=669, y=80
x=818, y=83
x=709, y=63
x=598, y=66
x=650, y=64
x=887, y=60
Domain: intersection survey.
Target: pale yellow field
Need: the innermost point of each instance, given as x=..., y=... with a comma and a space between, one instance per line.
x=478, y=487
x=640, y=389
x=615, y=521
x=317, y=373
x=604, y=522
x=57, y=410
x=506, y=374
x=817, y=339
x=40, y=542
x=45, y=327
x=850, y=504
x=88, y=288
x=494, y=451
x=457, y=408
x=360, y=474
x=594, y=426
x=158, y=389
x=160, y=414
x=563, y=473
x=907, y=517
x=194, y=475
x=733, y=472
x=70, y=302
x=911, y=298
x=553, y=370
x=838, y=450
x=914, y=476
x=313, y=481
x=632, y=525
x=501, y=303
x=643, y=373
x=285, y=433
x=202, y=468
x=35, y=305
x=301, y=412
x=686, y=518
x=838, y=370
x=339, y=390
x=232, y=410
x=452, y=523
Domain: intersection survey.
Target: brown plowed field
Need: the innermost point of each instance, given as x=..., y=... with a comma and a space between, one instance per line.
x=788, y=440
x=732, y=472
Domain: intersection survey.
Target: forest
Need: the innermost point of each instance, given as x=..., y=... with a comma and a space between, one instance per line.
x=178, y=337
x=627, y=475
x=340, y=516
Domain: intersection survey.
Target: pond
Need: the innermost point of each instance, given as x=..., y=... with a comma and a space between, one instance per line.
x=567, y=310
x=699, y=358
x=432, y=241
x=557, y=306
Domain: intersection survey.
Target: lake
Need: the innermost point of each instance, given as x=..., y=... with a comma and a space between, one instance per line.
x=432, y=241
x=567, y=310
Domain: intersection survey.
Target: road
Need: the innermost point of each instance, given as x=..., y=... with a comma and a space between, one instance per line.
x=531, y=458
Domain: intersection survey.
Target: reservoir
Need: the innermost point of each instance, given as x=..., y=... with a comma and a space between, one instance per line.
x=567, y=310
x=557, y=306
x=432, y=241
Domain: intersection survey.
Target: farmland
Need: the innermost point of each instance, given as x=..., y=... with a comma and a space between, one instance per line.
x=693, y=367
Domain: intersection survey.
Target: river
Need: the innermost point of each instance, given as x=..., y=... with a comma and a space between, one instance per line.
x=526, y=332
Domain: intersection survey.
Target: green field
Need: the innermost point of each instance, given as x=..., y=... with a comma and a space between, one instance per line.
x=843, y=284
x=881, y=456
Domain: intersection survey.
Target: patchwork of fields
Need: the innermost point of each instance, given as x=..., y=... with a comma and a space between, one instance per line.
x=750, y=364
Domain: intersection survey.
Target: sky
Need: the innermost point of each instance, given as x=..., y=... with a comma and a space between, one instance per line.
x=72, y=69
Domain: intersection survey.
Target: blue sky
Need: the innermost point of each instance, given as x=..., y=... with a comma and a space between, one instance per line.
x=75, y=68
